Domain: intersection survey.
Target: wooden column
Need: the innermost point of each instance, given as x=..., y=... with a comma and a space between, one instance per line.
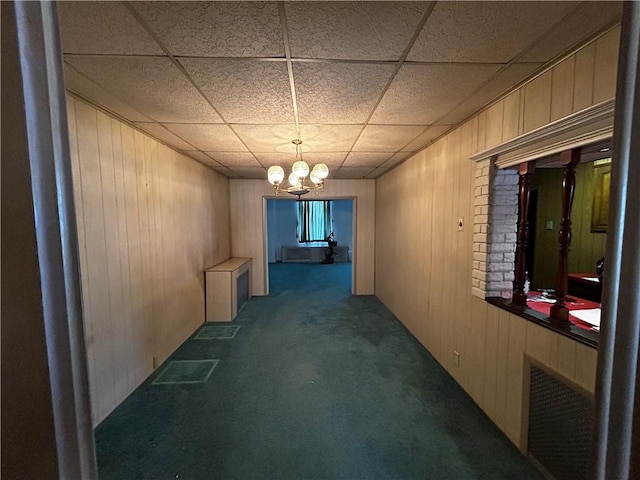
x=568, y=158
x=519, y=297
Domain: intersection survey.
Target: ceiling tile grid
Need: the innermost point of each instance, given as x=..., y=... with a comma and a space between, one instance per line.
x=484, y=32
x=363, y=84
x=244, y=91
x=152, y=85
x=215, y=29
x=339, y=92
x=103, y=28
x=352, y=30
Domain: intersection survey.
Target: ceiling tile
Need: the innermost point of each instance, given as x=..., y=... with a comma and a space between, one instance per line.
x=396, y=159
x=420, y=94
x=203, y=158
x=338, y=92
x=208, y=137
x=103, y=28
x=484, y=31
x=353, y=172
x=216, y=29
x=352, y=30
x=365, y=159
x=587, y=19
x=158, y=131
x=268, y=138
x=501, y=83
x=154, y=86
x=329, y=138
x=244, y=91
x=78, y=83
x=426, y=137
x=248, y=172
x=236, y=159
x=386, y=138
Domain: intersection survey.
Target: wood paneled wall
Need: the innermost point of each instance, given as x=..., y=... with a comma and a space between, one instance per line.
x=423, y=262
x=149, y=222
x=248, y=227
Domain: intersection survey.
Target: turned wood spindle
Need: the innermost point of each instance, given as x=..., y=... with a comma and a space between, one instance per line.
x=559, y=312
x=519, y=296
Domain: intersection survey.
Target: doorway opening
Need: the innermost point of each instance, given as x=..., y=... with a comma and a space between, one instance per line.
x=296, y=256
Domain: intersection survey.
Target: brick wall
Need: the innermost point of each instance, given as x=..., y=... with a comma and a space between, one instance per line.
x=494, y=230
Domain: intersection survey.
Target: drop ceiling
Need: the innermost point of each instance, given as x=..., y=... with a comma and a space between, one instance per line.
x=363, y=84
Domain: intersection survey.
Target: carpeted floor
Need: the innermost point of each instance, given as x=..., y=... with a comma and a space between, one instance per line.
x=315, y=384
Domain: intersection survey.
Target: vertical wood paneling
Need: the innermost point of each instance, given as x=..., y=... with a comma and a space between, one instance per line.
x=562, y=81
x=537, y=102
x=583, y=80
x=143, y=246
x=606, y=66
x=416, y=197
x=511, y=116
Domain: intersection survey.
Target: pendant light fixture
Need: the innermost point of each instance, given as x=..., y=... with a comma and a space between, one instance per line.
x=299, y=173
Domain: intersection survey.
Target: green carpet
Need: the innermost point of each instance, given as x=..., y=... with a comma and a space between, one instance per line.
x=316, y=384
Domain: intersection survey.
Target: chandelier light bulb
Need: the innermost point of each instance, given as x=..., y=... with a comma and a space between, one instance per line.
x=275, y=175
x=293, y=179
x=314, y=178
x=321, y=171
x=300, y=169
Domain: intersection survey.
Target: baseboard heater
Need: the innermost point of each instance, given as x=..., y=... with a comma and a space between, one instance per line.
x=560, y=425
x=313, y=254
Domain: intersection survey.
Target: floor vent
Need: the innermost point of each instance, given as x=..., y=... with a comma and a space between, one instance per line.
x=186, y=371
x=560, y=426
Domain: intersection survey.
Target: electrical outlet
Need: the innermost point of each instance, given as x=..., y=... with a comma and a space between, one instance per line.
x=456, y=358
x=460, y=224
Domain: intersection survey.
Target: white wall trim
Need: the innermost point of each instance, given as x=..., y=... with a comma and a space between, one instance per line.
x=587, y=126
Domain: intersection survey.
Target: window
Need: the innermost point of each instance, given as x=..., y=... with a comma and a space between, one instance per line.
x=314, y=221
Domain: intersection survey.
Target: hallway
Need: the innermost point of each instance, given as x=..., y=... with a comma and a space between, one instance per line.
x=315, y=383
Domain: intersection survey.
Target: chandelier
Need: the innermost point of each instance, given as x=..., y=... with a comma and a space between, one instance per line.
x=298, y=175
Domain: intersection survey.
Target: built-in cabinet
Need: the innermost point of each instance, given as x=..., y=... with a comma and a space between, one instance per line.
x=227, y=289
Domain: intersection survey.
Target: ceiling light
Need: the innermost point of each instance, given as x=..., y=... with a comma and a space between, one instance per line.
x=299, y=172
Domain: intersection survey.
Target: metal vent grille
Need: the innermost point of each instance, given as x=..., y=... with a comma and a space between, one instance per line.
x=293, y=254
x=560, y=425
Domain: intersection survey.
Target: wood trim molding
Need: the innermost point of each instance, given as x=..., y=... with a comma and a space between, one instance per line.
x=578, y=129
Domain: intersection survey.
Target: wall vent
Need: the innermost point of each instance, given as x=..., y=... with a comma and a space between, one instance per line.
x=560, y=426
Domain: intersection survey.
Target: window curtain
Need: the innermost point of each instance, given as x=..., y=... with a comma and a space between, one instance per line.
x=314, y=221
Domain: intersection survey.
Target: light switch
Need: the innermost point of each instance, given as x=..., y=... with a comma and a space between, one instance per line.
x=549, y=225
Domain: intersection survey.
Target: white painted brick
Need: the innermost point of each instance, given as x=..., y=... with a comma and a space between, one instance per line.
x=484, y=228
x=509, y=257
x=475, y=282
x=497, y=237
x=502, y=248
x=484, y=190
x=504, y=210
x=504, y=228
x=480, y=237
x=476, y=247
x=510, y=237
x=495, y=257
x=495, y=276
x=483, y=247
x=509, y=276
x=481, y=218
x=485, y=170
x=482, y=266
x=481, y=257
x=477, y=292
x=477, y=228
x=505, y=179
x=501, y=267
x=481, y=200
x=476, y=264
x=480, y=181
